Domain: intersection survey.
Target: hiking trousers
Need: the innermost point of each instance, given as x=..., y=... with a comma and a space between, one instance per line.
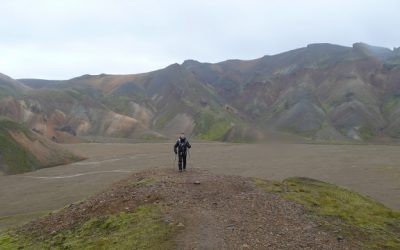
x=182, y=161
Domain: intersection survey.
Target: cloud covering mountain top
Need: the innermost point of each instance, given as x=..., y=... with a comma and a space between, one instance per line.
x=62, y=39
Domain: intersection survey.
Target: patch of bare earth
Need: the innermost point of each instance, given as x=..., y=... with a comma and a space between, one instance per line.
x=210, y=211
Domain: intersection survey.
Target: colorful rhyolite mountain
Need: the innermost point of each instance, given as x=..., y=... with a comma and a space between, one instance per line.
x=322, y=91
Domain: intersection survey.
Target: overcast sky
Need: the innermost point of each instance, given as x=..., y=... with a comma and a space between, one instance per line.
x=61, y=39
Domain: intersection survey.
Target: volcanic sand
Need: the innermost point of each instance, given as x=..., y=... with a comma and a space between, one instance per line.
x=372, y=170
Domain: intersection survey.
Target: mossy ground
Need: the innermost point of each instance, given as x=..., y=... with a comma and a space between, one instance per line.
x=142, y=229
x=368, y=222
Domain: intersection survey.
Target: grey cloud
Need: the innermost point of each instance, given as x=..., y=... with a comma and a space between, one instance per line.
x=63, y=39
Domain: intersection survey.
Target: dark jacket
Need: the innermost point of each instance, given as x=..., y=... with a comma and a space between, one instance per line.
x=181, y=146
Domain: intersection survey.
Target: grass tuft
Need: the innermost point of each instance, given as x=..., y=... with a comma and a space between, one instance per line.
x=142, y=229
x=145, y=182
x=368, y=222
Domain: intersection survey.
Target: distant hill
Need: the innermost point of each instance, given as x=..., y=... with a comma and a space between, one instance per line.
x=22, y=150
x=38, y=83
x=11, y=87
x=62, y=114
x=321, y=92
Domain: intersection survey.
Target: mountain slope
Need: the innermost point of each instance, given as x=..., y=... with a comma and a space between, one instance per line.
x=22, y=150
x=62, y=114
x=169, y=101
x=11, y=87
x=322, y=91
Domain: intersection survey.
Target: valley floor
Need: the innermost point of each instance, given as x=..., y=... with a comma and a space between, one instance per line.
x=368, y=169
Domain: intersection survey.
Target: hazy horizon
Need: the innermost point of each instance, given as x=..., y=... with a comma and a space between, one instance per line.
x=65, y=39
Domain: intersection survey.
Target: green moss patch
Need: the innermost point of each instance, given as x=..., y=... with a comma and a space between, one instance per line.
x=142, y=229
x=216, y=131
x=355, y=216
x=211, y=126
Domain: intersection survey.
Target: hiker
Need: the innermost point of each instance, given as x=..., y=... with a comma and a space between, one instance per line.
x=181, y=148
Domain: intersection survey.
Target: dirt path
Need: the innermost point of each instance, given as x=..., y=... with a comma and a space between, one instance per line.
x=210, y=211
x=370, y=170
x=229, y=212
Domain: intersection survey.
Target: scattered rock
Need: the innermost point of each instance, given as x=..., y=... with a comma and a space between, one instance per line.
x=225, y=212
x=231, y=227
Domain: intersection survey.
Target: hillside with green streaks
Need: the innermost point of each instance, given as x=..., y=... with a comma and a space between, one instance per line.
x=22, y=150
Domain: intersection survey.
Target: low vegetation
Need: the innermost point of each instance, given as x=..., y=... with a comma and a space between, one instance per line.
x=136, y=214
x=144, y=228
x=212, y=126
x=349, y=214
x=216, y=131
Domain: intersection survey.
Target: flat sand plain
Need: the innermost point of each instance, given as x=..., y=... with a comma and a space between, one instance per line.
x=372, y=170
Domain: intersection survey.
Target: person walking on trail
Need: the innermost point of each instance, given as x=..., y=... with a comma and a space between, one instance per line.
x=181, y=148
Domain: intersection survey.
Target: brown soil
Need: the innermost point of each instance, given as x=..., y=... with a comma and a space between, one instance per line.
x=212, y=212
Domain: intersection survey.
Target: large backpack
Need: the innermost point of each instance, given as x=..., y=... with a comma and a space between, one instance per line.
x=182, y=146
